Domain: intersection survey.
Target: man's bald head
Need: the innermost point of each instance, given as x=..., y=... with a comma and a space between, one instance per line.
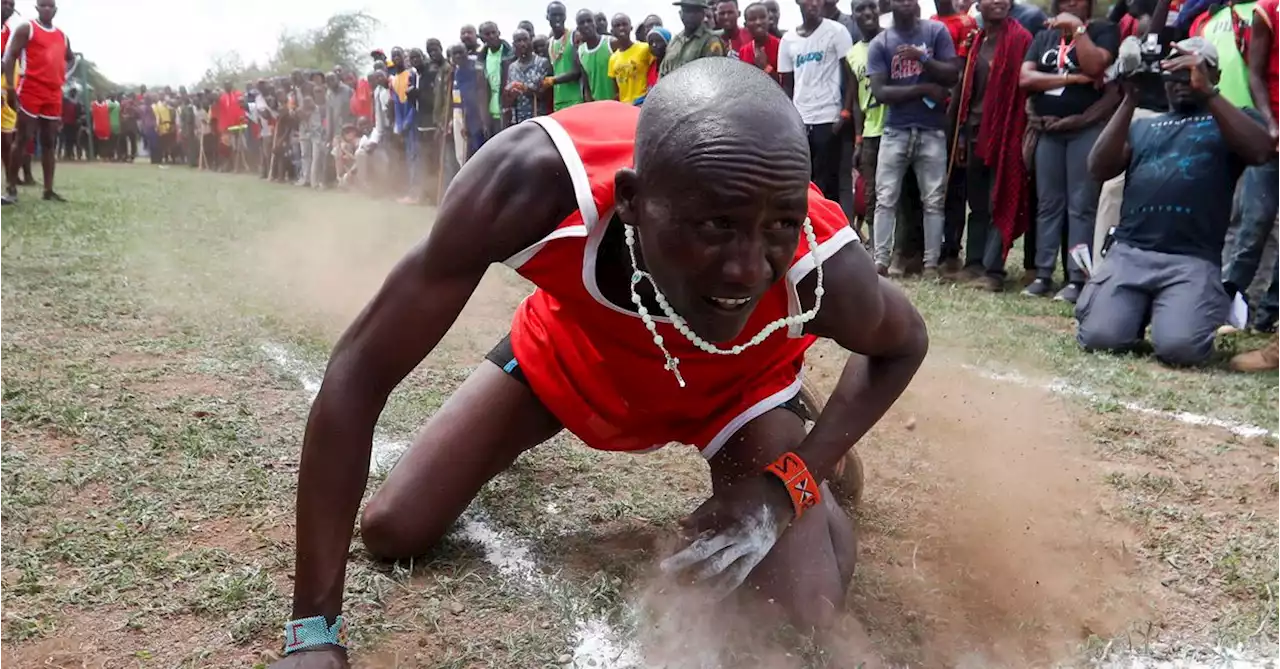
x=713, y=104
x=719, y=192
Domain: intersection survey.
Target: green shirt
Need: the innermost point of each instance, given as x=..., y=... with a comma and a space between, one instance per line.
x=685, y=49
x=595, y=67
x=561, y=52
x=1219, y=31
x=113, y=110
x=493, y=72
x=872, y=110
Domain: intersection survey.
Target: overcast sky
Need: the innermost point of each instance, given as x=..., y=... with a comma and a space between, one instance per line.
x=167, y=42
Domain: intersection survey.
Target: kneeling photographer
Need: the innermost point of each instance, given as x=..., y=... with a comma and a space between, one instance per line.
x=1165, y=266
x=1137, y=20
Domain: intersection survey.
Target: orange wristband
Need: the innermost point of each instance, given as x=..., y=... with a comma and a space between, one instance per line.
x=846, y=114
x=801, y=485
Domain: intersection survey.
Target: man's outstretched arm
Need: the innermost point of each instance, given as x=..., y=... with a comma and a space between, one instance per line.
x=510, y=195
x=872, y=318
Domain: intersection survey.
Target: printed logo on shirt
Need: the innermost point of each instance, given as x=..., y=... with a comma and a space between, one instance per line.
x=811, y=57
x=905, y=68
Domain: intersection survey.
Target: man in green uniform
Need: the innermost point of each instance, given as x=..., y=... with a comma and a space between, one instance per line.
x=695, y=41
x=564, y=60
x=593, y=58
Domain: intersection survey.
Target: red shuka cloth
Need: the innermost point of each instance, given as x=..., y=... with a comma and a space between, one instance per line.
x=1004, y=122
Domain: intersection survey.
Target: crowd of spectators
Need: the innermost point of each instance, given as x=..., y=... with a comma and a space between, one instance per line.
x=946, y=132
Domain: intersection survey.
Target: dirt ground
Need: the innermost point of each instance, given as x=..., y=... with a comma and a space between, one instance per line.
x=1003, y=525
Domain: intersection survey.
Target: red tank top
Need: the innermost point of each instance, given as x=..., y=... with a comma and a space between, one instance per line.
x=594, y=364
x=45, y=58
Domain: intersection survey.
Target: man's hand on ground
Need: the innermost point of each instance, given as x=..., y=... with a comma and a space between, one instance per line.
x=733, y=531
x=323, y=657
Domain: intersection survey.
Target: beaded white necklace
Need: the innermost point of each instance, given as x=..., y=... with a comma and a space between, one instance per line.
x=673, y=363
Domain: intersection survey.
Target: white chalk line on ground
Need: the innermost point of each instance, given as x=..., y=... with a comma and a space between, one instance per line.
x=598, y=644
x=386, y=451
x=1062, y=387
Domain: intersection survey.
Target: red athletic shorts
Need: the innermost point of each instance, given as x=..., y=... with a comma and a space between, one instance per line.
x=37, y=102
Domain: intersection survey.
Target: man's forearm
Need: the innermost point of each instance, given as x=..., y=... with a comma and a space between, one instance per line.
x=942, y=71
x=1093, y=58
x=1107, y=159
x=1245, y=136
x=868, y=386
x=891, y=95
x=331, y=481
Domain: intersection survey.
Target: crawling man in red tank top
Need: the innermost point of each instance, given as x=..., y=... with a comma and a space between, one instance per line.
x=683, y=264
x=46, y=54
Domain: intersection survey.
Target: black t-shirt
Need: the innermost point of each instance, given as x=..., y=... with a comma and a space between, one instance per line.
x=1054, y=55
x=1178, y=188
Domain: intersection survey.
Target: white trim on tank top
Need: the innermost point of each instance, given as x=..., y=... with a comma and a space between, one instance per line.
x=595, y=233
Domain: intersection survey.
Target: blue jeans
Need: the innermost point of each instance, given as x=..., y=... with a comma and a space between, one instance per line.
x=925, y=150
x=1256, y=216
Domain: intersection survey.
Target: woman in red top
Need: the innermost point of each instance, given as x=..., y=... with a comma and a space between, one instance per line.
x=762, y=51
x=1264, y=62
x=45, y=54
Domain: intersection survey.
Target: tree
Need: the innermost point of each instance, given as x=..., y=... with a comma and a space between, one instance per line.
x=342, y=40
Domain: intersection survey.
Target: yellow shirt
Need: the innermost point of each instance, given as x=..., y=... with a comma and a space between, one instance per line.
x=163, y=122
x=630, y=68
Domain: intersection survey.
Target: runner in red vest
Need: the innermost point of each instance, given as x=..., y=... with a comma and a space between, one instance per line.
x=683, y=265
x=46, y=55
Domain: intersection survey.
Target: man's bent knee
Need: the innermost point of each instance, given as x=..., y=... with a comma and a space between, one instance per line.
x=1098, y=337
x=388, y=535
x=1181, y=350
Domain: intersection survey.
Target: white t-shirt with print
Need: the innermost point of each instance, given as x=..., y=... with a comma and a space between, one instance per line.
x=814, y=62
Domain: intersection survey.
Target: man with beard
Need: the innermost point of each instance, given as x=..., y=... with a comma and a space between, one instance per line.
x=1165, y=266
x=682, y=316
x=46, y=54
x=695, y=41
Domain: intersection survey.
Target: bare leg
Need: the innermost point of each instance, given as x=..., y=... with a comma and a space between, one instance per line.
x=478, y=433
x=48, y=155
x=809, y=569
x=18, y=151
x=6, y=144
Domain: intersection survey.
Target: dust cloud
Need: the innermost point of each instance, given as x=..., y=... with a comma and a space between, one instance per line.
x=982, y=542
